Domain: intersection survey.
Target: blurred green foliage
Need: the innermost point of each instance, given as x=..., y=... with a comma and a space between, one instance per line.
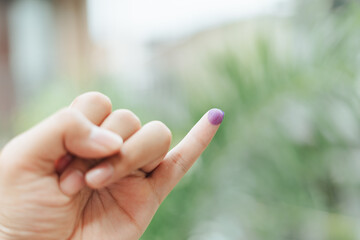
x=285, y=164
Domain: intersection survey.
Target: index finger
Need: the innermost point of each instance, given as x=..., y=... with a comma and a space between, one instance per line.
x=180, y=159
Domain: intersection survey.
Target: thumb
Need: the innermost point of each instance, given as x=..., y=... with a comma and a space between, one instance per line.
x=67, y=131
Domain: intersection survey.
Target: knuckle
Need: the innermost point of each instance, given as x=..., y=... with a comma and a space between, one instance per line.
x=68, y=116
x=127, y=116
x=72, y=119
x=159, y=126
x=95, y=98
x=178, y=159
x=162, y=130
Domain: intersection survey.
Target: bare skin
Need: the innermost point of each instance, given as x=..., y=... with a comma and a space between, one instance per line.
x=112, y=198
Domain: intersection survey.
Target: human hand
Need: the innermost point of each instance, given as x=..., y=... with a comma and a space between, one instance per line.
x=43, y=197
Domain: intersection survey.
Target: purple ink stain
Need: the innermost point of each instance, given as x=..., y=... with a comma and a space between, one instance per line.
x=215, y=116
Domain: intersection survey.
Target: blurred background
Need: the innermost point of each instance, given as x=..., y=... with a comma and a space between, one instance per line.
x=285, y=163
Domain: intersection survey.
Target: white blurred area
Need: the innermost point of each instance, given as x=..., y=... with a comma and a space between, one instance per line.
x=131, y=42
x=146, y=20
x=125, y=29
x=79, y=40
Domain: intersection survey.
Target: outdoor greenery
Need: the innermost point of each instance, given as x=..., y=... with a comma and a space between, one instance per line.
x=285, y=164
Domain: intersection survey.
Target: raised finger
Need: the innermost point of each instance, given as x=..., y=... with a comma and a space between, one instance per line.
x=179, y=160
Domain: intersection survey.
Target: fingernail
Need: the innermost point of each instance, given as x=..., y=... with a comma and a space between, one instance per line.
x=72, y=182
x=215, y=116
x=105, y=138
x=100, y=175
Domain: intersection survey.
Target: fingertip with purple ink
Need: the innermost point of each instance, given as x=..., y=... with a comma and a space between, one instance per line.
x=215, y=116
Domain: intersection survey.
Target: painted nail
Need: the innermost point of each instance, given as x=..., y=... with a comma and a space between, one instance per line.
x=215, y=116
x=72, y=182
x=106, y=138
x=100, y=175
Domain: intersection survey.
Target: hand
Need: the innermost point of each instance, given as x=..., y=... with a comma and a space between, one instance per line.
x=44, y=197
